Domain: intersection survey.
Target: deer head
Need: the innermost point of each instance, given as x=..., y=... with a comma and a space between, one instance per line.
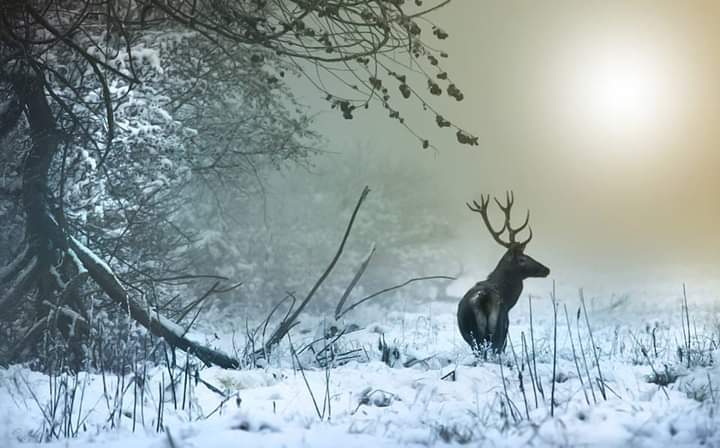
x=514, y=264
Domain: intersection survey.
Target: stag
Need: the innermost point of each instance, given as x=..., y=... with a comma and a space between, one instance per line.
x=483, y=310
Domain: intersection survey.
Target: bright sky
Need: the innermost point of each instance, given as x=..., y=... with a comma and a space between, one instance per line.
x=602, y=116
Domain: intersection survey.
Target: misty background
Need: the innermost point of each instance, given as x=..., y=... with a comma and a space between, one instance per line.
x=614, y=210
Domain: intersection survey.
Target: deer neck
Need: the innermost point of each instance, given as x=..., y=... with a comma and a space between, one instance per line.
x=508, y=284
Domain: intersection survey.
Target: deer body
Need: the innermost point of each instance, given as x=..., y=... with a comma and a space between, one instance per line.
x=479, y=314
x=483, y=311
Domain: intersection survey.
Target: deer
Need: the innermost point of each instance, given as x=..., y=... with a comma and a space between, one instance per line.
x=482, y=313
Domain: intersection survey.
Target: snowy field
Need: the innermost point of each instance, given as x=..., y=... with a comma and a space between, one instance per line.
x=404, y=377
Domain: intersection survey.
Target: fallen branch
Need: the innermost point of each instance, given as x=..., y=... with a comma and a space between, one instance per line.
x=173, y=333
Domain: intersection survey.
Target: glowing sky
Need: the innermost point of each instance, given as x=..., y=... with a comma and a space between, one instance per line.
x=602, y=116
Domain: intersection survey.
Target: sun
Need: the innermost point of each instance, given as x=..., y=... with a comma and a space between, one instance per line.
x=619, y=93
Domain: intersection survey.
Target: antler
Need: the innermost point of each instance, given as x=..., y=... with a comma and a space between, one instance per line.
x=482, y=208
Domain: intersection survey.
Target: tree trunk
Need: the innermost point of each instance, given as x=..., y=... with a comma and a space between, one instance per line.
x=47, y=242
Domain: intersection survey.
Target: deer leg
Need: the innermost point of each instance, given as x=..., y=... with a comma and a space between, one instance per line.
x=481, y=329
x=500, y=335
x=493, y=324
x=467, y=326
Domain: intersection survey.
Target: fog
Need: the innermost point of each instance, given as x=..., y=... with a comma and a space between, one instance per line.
x=618, y=204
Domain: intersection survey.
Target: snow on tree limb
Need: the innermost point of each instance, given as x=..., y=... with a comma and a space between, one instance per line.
x=158, y=325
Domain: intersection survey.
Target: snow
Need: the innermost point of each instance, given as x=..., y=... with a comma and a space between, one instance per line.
x=76, y=261
x=374, y=404
x=90, y=254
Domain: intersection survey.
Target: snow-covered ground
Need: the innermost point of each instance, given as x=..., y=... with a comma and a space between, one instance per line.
x=414, y=398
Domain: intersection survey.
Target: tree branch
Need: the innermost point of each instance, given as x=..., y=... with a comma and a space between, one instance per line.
x=393, y=288
x=289, y=322
x=173, y=333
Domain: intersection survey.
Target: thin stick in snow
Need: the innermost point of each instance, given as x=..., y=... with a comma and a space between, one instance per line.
x=356, y=278
x=288, y=323
x=532, y=346
x=575, y=359
x=520, y=378
x=584, y=358
x=552, y=390
x=530, y=370
x=507, y=396
x=594, y=347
